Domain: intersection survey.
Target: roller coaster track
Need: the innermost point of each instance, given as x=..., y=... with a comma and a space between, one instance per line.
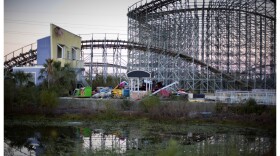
x=148, y=9
x=31, y=55
x=21, y=59
x=86, y=44
x=99, y=64
x=139, y=9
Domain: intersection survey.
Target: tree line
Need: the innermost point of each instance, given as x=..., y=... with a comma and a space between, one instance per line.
x=21, y=93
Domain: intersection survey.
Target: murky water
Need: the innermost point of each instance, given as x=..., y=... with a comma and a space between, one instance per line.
x=134, y=138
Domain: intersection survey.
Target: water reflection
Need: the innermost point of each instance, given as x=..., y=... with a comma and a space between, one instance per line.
x=223, y=144
x=100, y=141
x=53, y=140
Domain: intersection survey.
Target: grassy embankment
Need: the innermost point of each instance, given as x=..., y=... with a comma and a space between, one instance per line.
x=152, y=108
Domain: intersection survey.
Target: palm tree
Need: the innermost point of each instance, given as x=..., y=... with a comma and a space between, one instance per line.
x=21, y=77
x=47, y=71
x=61, y=78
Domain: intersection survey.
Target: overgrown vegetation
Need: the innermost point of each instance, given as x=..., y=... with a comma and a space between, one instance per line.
x=57, y=78
x=110, y=111
x=48, y=99
x=126, y=105
x=248, y=113
x=21, y=95
x=173, y=148
x=19, y=92
x=149, y=102
x=250, y=106
x=110, y=81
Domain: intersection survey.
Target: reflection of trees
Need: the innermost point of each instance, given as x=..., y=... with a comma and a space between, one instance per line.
x=227, y=144
x=67, y=140
x=53, y=139
x=17, y=136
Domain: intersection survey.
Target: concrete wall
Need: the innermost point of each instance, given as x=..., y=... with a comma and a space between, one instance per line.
x=90, y=104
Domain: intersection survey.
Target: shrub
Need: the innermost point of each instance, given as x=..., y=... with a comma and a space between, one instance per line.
x=27, y=96
x=219, y=107
x=250, y=106
x=172, y=109
x=9, y=92
x=251, y=102
x=110, y=111
x=126, y=105
x=48, y=99
x=149, y=102
x=173, y=148
x=19, y=98
x=272, y=112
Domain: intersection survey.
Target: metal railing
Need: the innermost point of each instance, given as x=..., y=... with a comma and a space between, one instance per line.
x=264, y=97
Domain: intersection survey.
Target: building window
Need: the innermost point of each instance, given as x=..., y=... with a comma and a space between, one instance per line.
x=60, y=50
x=74, y=53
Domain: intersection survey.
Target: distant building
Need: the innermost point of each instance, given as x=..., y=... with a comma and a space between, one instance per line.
x=62, y=46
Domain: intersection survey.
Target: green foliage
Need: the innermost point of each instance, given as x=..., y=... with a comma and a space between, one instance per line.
x=251, y=106
x=48, y=99
x=99, y=81
x=19, y=95
x=219, y=107
x=272, y=112
x=251, y=102
x=110, y=111
x=9, y=92
x=69, y=116
x=149, y=102
x=21, y=78
x=126, y=104
x=173, y=149
x=27, y=96
x=59, y=79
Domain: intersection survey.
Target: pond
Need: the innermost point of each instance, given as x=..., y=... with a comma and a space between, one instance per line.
x=134, y=138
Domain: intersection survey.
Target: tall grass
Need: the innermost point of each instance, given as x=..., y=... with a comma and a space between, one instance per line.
x=148, y=103
x=48, y=100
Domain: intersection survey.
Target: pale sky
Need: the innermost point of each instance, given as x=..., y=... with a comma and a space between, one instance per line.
x=25, y=21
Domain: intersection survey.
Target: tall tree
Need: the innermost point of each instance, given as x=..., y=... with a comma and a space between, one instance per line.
x=48, y=70
x=60, y=78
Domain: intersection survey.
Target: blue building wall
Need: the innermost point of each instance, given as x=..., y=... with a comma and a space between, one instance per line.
x=43, y=50
x=35, y=71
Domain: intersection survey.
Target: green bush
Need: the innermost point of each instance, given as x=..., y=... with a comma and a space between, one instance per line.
x=9, y=92
x=219, y=107
x=251, y=106
x=149, y=102
x=48, y=99
x=173, y=148
x=272, y=112
x=251, y=102
x=126, y=105
x=110, y=111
